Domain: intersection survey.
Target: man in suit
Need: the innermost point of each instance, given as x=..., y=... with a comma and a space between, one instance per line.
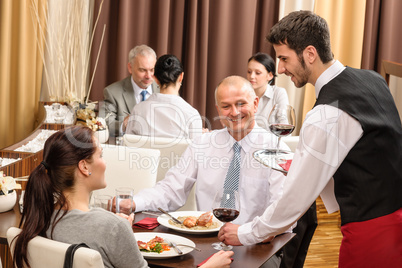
x=121, y=96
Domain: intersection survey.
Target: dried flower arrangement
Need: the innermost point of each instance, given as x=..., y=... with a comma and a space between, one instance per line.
x=67, y=48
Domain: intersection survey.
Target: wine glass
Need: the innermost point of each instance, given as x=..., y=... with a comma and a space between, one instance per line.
x=281, y=121
x=226, y=208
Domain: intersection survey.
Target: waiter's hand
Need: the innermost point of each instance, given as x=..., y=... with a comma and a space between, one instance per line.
x=228, y=234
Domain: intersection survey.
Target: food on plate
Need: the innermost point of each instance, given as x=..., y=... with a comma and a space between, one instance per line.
x=205, y=219
x=156, y=244
x=203, y=222
x=190, y=221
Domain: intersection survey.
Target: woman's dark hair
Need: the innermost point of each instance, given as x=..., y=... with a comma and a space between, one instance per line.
x=167, y=69
x=44, y=191
x=267, y=61
x=300, y=29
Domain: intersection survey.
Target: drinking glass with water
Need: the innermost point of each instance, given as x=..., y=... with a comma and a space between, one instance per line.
x=124, y=200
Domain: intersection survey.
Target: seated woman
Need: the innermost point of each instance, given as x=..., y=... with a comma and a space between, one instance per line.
x=261, y=73
x=56, y=204
x=166, y=114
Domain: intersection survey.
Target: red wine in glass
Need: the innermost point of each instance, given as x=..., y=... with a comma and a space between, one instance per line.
x=226, y=208
x=281, y=121
x=226, y=214
x=281, y=129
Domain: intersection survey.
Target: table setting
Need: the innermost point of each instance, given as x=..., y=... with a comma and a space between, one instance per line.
x=245, y=256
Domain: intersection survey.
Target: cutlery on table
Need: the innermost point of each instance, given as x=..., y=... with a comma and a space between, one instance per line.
x=182, y=245
x=150, y=213
x=173, y=245
x=173, y=218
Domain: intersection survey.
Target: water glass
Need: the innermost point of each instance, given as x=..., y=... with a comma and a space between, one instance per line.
x=124, y=200
x=103, y=201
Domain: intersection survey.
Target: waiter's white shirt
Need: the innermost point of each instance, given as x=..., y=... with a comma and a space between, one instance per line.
x=272, y=95
x=206, y=162
x=326, y=137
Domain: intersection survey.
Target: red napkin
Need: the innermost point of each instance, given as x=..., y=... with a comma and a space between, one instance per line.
x=147, y=223
x=201, y=263
x=286, y=165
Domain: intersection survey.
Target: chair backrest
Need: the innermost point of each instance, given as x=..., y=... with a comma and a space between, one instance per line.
x=291, y=141
x=129, y=167
x=44, y=252
x=394, y=69
x=390, y=68
x=171, y=150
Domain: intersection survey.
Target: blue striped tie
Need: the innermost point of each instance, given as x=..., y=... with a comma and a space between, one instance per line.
x=231, y=183
x=143, y=94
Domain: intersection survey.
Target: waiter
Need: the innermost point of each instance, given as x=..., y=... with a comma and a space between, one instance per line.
x=353, y=135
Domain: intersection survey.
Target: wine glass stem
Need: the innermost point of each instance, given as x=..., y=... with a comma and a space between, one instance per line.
x=277, y=146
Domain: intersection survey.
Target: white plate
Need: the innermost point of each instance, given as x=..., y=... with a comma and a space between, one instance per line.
x=267, y=158
x=164, y=220
x=145, y=237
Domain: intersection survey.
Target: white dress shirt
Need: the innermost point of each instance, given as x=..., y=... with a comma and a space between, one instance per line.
x=163, y=115
x=326, y=137
x=271, y=96
x=138, y=90
x=138, y=99
x=206, y=161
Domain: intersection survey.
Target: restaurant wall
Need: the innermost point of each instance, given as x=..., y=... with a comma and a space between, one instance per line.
x=20, y=71
x=213, y=39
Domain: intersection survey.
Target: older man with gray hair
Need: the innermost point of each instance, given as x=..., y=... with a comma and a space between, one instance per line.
x=207, y=161
x=121, y=97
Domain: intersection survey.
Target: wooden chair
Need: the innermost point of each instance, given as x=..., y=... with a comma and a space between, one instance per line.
x=390, y=68
x=44, y=252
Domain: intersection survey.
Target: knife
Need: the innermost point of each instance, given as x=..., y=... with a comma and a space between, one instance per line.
x=150, y=213
x=173, y=218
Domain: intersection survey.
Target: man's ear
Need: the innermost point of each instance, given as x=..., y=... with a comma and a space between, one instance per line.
x=256, y=101
x=310, y=54
x=130, y=68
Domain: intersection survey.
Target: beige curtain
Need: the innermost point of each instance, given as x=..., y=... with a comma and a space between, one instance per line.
x=296, y=95
x=212, y=38
x=20, y=71
x=346, y=23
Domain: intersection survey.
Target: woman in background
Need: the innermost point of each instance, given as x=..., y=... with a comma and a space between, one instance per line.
x=261, y=74
x=166, y=114
x=56, y=204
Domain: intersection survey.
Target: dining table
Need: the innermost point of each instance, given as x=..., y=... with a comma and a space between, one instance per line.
x=244, y=256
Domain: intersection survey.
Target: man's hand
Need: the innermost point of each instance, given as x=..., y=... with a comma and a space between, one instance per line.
x=228, y=234
x=125, y=122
